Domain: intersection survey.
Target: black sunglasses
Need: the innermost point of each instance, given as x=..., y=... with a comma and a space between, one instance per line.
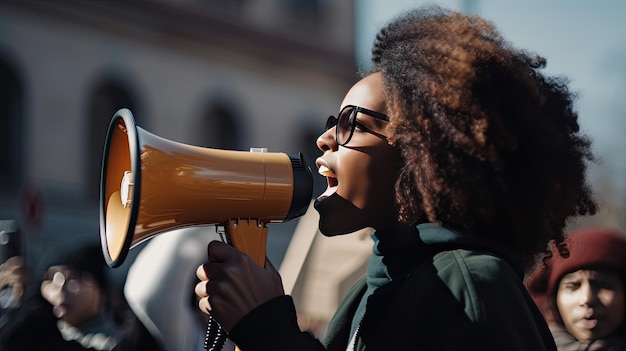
x=347, y=122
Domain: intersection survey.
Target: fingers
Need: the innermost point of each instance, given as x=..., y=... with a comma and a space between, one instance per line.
x=201, y=273
x=202, y=292
x=216, y=254
x=14, y=273
x=219, y=252
x=232, y=284
x=14, y=261
x=13, y=266
x=204, y=305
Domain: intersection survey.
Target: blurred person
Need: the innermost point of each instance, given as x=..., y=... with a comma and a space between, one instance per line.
x=67, y=309
x=466, y=160
x=13, y=279
x=10, y=246
x=159, y=290
x=580, y=289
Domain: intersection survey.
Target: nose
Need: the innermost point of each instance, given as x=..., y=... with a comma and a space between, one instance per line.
x=326, y=141
x=587, y=295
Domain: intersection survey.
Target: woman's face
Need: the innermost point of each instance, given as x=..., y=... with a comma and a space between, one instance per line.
x=362, y=173
x=591, y=303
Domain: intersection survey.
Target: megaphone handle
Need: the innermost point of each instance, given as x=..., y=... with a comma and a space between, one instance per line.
x=250, y=237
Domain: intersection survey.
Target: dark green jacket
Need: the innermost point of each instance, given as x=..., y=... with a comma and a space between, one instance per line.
x=458, y=292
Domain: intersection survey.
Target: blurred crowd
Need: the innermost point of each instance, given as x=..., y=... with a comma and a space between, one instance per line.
x=74, y=305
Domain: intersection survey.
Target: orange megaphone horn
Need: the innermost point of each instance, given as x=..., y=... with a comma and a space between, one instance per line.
x=150, y=185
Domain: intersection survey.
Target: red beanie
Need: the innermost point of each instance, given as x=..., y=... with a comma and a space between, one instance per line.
x=588, y=248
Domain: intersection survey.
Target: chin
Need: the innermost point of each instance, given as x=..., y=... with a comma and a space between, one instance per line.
x=329, y=230
x=338, y=216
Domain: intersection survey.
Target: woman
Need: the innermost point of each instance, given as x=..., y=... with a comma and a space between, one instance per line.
x=581, y=290
x=465, y=160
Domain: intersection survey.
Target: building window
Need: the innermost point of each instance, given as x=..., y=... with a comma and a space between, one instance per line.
x=219, y=127
x=304, y=7
x=304, y=16
x=11, y=128
x=107, y=97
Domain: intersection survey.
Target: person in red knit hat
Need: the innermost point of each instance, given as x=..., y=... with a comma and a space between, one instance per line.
x=580, y=289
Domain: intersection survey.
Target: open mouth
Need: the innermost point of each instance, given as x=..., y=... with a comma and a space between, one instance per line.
x=330, y=179
x=587, y=323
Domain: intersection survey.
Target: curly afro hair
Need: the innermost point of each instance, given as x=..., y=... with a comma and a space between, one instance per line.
x=489, y=143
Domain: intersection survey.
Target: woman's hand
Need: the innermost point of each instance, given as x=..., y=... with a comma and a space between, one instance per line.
x=232, y=284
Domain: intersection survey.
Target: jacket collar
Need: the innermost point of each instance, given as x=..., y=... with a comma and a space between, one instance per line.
x=434, y=235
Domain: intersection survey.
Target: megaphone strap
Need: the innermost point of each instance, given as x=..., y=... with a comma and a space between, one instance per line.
x=215, y=336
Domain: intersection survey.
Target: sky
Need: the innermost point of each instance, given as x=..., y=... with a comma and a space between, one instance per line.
x=582, y=40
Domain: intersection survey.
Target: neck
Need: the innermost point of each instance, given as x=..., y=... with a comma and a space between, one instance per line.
x=394, y=230
x=400, y=248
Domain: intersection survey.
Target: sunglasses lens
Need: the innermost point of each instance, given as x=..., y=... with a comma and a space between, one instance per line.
x=345, y=125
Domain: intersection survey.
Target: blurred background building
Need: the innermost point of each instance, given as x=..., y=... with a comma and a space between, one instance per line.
x=220, y=74
x=236, y=74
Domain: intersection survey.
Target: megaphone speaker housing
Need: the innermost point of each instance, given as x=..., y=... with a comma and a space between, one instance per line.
x=150, y=185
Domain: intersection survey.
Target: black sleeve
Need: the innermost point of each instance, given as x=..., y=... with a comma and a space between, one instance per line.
x=136, y=338
x=273, y=326
x=35, y=328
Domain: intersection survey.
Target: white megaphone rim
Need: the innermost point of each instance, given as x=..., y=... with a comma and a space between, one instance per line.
x=133, y=143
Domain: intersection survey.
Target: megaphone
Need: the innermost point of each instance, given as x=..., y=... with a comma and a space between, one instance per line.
x=150, y=185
